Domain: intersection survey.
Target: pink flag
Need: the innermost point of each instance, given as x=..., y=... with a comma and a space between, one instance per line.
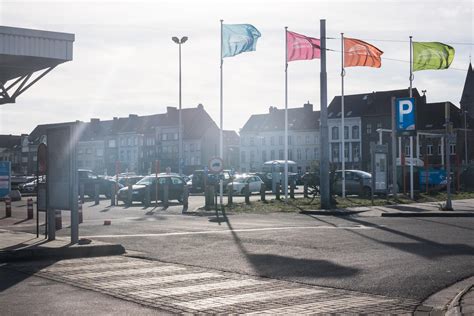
x=302, y=47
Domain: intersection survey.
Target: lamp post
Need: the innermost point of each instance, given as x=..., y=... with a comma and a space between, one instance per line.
x=180, y=124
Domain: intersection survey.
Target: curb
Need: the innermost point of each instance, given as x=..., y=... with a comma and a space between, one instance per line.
x=331, y=213
x=428, y=214
x=61, y=253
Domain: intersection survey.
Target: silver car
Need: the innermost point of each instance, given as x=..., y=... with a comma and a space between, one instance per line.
x=358, y=182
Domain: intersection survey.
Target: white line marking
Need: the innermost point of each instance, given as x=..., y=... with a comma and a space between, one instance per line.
x=219, y=301
x=232, y=230
x=233, y=284
x=98, y=266
x=126, y=272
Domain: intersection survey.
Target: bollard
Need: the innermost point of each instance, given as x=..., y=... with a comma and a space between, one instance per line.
x=230, y=194
x=305, y=189
x=96, y=193
x=277, y=193
x=292, y=190
x=166, y=189
x=129, y=195
x=185, y=198
x=262, y=192
x=113, y=193
x=8, y=207
x=81, y=192
x=146, y=199
x=247, y=193
x=29, y=208
x=58, y=221
x=79, y=211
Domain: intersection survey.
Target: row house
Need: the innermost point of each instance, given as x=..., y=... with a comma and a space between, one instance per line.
x=10, y=150
x=262, y=139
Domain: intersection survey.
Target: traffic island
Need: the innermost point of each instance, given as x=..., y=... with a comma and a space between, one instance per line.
x=19, y=246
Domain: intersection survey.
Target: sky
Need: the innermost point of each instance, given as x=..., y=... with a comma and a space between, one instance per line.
x=126, y=63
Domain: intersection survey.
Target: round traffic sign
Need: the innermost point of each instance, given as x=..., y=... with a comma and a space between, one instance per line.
x=216, y=165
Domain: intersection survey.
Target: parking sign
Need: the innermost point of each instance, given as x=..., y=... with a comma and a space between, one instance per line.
x=405, y=114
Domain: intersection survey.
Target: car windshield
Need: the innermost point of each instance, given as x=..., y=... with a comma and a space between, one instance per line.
x=240, y=180
x=146, y=181
x=364, y=174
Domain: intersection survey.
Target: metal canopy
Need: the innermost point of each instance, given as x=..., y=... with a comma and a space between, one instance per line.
x=24, y=52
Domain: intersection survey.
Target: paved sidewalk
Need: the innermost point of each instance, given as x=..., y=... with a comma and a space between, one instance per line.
x=186, y=289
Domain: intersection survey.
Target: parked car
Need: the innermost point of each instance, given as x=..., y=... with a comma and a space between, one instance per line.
x=89, y=179
x=198, y=176
x=358, y=182
x=175, y=185
x=239, y=183
x=124, y=181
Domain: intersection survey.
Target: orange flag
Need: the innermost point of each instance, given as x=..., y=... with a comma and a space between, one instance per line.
x=360, y=53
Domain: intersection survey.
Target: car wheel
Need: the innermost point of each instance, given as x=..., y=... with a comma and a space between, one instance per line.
x=367, y=192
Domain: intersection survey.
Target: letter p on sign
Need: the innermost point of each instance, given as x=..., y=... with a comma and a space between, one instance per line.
x=405, y=114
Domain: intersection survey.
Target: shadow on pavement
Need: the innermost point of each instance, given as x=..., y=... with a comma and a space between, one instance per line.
x=272, y=265
x=441, y=223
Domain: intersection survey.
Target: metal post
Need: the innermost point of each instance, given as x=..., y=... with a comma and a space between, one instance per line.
x=180, y=122
x=442, y=152
x=343, y=71
x=411, y=137
x=221, y=133
x=448, y=206
x=417, y=146
x=285, y=182
x=323, y=130
x=465, y=138
x=394, y=151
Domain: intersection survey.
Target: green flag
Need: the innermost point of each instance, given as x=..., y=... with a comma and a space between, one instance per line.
x=431, y=55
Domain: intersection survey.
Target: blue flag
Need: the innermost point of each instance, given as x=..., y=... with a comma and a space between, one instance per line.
x=238, y=38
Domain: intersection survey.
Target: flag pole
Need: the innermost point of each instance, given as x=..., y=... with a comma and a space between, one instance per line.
x=323, y=129
x=221, y=137
x=411, y=137
x=343, y=73
x=286, y=115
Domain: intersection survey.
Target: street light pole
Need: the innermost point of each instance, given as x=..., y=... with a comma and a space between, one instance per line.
x=180, y=122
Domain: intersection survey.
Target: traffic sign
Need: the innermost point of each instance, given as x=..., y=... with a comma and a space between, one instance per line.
x=405, y=115
x=216, y=165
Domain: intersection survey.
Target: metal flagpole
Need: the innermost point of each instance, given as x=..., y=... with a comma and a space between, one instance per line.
x=411, y=137
x=221, y=137
x=323, y=129
x=286, y=115
x=343, y=73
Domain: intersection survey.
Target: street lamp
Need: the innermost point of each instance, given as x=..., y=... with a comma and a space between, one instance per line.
x=180, y=132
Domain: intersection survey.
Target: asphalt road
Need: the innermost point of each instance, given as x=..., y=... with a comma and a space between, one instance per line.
x=398, y=257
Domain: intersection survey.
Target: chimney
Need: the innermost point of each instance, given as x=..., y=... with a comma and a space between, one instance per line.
x=308, y=107
x=132, y=116
x=272, y=109
x=171, y=109
x=95, y=120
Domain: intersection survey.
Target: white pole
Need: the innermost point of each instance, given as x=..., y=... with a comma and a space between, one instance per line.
x=342, y=120
x=442, y=152
x=221, y=137
x=411, y=137
x=180, y=123
x=286, y=114
x=417, y=146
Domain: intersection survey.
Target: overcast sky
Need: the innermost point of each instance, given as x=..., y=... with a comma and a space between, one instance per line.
x=125, y=62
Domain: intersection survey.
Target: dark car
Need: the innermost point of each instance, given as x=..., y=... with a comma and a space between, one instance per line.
x=124, y=181
x=89, y=180
x=199, y=179
x=175, y=188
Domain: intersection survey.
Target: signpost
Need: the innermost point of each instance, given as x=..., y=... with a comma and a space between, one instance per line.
x=405, y=121
x=379, y=155
x=41, y=167
x=216, y=165
x=5, y=178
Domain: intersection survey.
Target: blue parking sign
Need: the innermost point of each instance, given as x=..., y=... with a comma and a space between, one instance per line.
x=405, y=114
x=5, y=178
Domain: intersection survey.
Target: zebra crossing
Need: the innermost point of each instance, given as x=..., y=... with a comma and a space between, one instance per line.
x=187, y=289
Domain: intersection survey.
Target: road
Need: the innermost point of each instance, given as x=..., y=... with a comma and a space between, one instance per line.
x=395, y=257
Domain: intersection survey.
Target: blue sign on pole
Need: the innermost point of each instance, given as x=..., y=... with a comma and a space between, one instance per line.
x=5, y=178
x=405, y=114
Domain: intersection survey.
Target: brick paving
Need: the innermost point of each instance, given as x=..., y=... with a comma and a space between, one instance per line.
x=185, y=289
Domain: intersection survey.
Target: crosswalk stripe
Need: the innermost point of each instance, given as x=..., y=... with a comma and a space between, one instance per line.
x=326, y=306
x=139, y=282
x=233, y=284
x=97, y=266
x=104, y=274
x=225, y=300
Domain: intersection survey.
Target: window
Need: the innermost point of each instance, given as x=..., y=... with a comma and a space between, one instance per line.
x=80, y=151
x=335, y=152
x=429, y=150
x=242, y=157
x=99, y=152
x=264, y=156
x=176, y=181
x=112, y=143
x=280, y=140
x=335, y=132
x=252, y=156
x=355, y=152
x=289, y=139
x=407, y=150
x=439, y=149
x=164, y=136
x=298, y=154
x=129, y=141
x=355, y=132
x=272, y=154
x=290, y=154
x=452, y=149
x=88, y=151
x=251, y=141
x=280, y=154
x=307, y=140
x=369, y=129
x=346, y=151
x=316, y=153
x=346, y=132
x=175, y=136
x=191, y=147
x=198, y=146
x=307, y=154
x=123, y=141
x=263, y=140
x=298, y=140
x=272, y=140
x=150, y=141
x=242, y=140
x=379, y=125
